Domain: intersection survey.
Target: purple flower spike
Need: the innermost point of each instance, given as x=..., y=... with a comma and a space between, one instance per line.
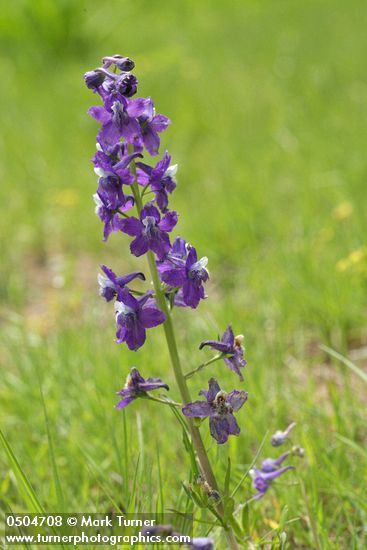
x=261, y=480
x=150, y=231
x=271, y=464
x=231, y=345
x=161, y=179
x=181, y=269
x=136, y=386
x=279, y=437
x=219, y=407
x=111, y=285
x=134, y=316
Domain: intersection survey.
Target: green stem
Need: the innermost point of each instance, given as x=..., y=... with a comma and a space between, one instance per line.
x=164, y=401
x=180, y=378
x=203, y=365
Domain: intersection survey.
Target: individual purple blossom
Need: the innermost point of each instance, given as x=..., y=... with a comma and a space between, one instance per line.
x=231, y=345
x=219, y=407
x=183, y=270
x=121, y=62
x=152, y=125
x=150, y=231
x=279, y=437
x=119, y=119
x=109, y=216
x=134, y=316
x=261, y=480
x=272, y=464
x=111, y=285
x=161, y=179
x=136, y=386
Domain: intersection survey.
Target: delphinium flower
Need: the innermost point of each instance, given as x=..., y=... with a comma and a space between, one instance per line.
x=130, y=128
x=231, y=348
x=261, y=479
x=219, y=407
x=136, y=386
x=134, y=316
x=181, y=270
x=150, y=231
x=161, y=179
x=280, y=437
x=111, y=285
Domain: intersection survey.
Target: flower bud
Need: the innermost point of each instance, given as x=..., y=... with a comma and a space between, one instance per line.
x=94, y=79
x=122, y=63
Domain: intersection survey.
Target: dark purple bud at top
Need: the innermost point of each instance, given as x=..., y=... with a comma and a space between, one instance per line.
x=94, y=79
x=122, y=63
x=279, y=437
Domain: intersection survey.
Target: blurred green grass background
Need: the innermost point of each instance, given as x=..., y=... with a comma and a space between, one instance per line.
x=268, y=103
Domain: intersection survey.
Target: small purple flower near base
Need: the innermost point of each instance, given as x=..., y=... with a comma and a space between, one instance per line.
x=231, y=345
x=280, y=437
x=219, y=407
x=261, y=480
x=150, y=231
x=111, y=285
x=136, y=386
x=134, y=316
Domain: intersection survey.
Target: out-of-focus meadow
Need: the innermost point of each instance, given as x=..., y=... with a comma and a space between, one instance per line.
x=268, y=102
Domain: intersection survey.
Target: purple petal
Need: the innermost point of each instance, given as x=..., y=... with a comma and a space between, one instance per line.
x=125, y=279
x=136, y=336
x=140, y=107
x=151, y=317
x=132, y=226
x=192, y=294
x=125, y=402
x=174, y=277
x=198, y=409
x=223, y=426
x=100, y=114
x=151, y=140
x=139, y=246
x=191, y=257
x=160, y=123
x=236, y=399
x=153, y=384
x=233, y=364
x=214, y=388
x=150, y=210
x=218, y=346
x=228, y=336
x=168, y=221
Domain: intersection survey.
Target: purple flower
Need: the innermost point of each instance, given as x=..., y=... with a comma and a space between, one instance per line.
x=151, y=126
x=279, y=437
x=219, y=406
x=261, y=480
x=150, y=231
x=231, y=345
x=134, y=316
x=182, y=269
x=136, y=386
x=94, y=79
x=109, y=216
x=271, y=464
x=119, y=119
x=111, y=285
x=161, y=179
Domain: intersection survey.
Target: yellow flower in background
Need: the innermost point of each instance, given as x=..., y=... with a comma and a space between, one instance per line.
x=352, y=260
x=64, y=197
x=343, y=211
